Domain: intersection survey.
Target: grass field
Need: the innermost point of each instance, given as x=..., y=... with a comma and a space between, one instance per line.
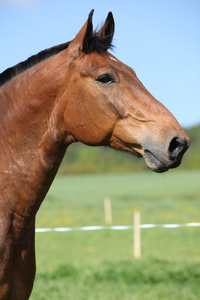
x=82, y=265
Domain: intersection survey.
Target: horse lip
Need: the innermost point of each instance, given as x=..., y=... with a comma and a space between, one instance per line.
x=154, y=163
x=136, y=153
x=134, y=149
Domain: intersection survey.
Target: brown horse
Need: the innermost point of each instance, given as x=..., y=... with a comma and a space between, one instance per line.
x=75, y=92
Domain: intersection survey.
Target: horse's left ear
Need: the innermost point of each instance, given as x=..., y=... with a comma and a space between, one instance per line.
x=81, y=41
x=107, y=31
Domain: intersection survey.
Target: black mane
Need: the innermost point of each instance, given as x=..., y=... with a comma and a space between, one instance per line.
x=95, y=43
x=9, y=73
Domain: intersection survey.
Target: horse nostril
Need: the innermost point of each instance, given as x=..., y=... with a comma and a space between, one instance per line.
x=177, y=147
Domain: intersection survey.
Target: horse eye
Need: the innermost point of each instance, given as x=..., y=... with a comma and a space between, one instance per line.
x=106, y=79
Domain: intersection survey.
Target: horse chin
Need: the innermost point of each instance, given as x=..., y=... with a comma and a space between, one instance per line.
x=155, y=164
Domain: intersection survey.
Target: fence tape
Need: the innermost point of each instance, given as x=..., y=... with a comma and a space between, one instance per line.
x=123, y=227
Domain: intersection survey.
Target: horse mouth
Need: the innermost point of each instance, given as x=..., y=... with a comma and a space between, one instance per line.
x=161, y=161
x=154, y=163
x=158, y=159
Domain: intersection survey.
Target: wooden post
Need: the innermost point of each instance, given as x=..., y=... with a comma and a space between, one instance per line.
x=136, y=235
x=108, y=211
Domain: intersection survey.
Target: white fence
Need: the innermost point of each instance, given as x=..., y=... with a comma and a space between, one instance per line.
x=123, y=227
x=136, y=227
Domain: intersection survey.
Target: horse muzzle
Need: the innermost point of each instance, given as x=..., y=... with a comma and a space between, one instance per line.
x=160, y=159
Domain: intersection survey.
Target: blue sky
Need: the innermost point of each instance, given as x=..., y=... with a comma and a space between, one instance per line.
x=159, y=39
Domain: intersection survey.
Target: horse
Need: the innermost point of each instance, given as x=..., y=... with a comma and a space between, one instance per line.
x=74, y=92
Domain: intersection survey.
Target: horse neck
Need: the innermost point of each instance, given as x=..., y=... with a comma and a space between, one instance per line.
x=30, y=144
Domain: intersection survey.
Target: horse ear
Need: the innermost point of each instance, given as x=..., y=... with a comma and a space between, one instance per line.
x=107, y=31
x=88, y=33
x=81, y=41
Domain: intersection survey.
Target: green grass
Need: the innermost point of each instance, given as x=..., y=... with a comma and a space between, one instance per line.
x=100, y=264
x=78, y=200
x=147, y=279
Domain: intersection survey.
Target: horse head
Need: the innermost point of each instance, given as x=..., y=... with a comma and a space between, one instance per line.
x=108, y=105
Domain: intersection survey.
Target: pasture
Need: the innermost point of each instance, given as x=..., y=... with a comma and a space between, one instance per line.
x=99, y=264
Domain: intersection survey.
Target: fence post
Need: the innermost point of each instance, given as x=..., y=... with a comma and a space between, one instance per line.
x=108, y=211
x=136, y=235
